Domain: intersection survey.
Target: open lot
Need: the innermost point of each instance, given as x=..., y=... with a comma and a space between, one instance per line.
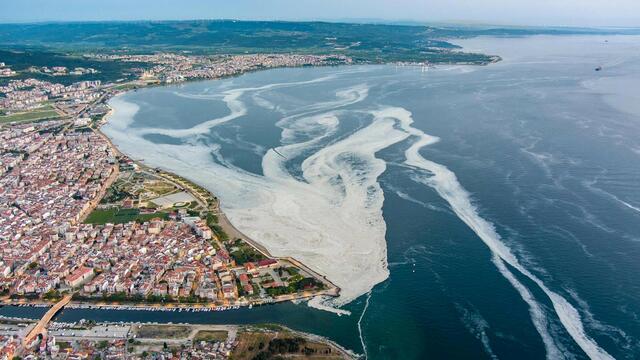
x=285, y=344
x=162, y=331
x=95, y=332
x=46, y=112
x=211, y=335
x=173, y=199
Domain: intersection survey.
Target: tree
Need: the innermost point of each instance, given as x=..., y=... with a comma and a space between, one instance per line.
x=212, y=219
x=263, y=355
x=52, y=295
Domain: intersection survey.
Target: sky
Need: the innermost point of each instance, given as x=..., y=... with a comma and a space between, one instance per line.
x=498, y=12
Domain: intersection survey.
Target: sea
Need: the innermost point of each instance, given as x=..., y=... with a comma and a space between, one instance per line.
x=466, y=212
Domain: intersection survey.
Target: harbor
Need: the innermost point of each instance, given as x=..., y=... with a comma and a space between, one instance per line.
x=297, y=316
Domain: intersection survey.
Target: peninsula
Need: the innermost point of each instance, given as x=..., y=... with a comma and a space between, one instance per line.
x=85, y=226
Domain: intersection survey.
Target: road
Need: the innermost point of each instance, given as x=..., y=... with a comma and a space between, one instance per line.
x=93, y=203
x=42, y=324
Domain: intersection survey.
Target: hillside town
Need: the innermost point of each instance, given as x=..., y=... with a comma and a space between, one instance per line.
x=19, y=95
x=5, y=71
x=29, y=94
x=171, y=68
x=62, y=70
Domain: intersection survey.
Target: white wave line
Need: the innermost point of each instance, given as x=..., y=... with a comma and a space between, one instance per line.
x=535, y=310
x=237, y=108
x=629, y=205
x=611, y=196
x=446, y=184
x=477, y=326
x=306, y=218
x=366, y=305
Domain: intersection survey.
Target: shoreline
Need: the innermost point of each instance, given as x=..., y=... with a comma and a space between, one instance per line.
x=332, y=290
x=224, y=221
x=112, y=92
x=193, y=330
x=212, y=206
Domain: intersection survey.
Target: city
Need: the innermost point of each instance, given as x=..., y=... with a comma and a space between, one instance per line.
x=319, y=180
x=75, y=210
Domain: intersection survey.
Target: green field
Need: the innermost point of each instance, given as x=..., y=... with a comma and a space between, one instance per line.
x=119, y=216
x=163, y=331
x=245, y=253
x=43, y=113
x=211, y=335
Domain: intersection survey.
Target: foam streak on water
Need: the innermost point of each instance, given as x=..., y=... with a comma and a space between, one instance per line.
x=236, y=106
x=364, y=310
x=331, y=219
x=298, y=167
x=445, y=182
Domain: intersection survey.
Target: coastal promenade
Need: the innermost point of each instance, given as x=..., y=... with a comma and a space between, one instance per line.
x=232, y=231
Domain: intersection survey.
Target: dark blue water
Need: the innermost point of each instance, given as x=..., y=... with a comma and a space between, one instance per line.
x=547, y=148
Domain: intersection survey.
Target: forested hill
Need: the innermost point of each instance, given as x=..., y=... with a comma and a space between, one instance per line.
x=363, y=42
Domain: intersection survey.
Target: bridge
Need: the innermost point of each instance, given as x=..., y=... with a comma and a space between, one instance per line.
x=41, y=326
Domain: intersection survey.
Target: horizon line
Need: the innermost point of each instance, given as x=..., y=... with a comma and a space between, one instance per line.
x=362, y=21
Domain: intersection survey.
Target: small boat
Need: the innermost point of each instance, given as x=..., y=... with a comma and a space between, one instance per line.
x=599, y=68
